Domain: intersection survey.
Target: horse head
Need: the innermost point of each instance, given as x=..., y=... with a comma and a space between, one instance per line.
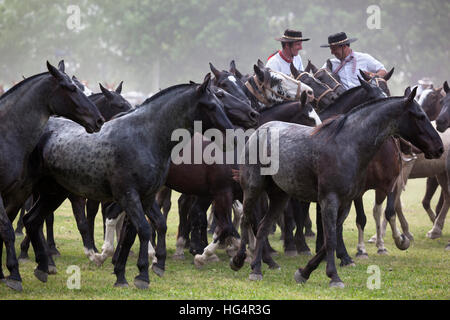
x=380, y=81
x=69, y=101
x=443, y=120
x=323, y=94
x=228, y=82
x=210, y=110
x=277, y=87
x=327, y=77
x=415, y=127
x=113, y=103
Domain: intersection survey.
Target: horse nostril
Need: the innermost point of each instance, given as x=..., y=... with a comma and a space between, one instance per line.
x=254, y=115
x=100, y=121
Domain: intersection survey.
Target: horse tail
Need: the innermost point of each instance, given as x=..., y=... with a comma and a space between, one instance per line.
x=235, y=175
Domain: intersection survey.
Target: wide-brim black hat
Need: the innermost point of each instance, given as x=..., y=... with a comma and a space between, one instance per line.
x=292, y=36
x=338, y=39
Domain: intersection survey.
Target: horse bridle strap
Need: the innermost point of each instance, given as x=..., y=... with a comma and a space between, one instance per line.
x=323, y=93
x=331, y=76
x=261, y=95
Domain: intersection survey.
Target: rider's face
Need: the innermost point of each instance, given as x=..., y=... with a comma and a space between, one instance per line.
x=339, y=51
x=296, y=47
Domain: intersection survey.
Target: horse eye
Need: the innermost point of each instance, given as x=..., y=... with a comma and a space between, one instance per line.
x=220, y=94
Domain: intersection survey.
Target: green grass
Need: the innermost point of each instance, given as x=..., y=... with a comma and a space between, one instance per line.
x=421, y=272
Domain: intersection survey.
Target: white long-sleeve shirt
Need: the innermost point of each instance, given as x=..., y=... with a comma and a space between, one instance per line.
x=349, y=72
x=277, y=63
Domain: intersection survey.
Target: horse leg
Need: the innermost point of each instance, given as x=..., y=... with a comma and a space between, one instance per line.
x=91, y=212
x=328, y=216
x=49, y=222
x=198, y=226
x=438, y=225
x=377, y=211
x=184, y=206
x=289, y=223
x=108, y=245
x=277, y=203
x=341, y=251
x=320, y=237
x=308, y=226
x=13, y=281
x=361, y=221
x=401, y=241
x=25, y=208
x=131, y=203
x=300, y=210
x=432, y=185
x=222, y=212
x=158, y=221
x=33, y=221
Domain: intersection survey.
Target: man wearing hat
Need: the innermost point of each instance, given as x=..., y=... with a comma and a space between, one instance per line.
x=291, y=44
x=347, y=61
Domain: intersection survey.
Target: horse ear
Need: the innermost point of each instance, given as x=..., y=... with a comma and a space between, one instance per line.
x=411, y=96
x=329, y=65
x=407, y=91
x=259, y=73
x=106, y=92
x=61, y=66
x=294, y=71
x=388, y=75
x=446, y=88
x=261, y=64
x=202, y=88
x=303, y=98
x=311, y=67
x=364, y=83
x=54, y=72
x=119, y=88
x=364, y=75
x=235, y=71
x=214, y=70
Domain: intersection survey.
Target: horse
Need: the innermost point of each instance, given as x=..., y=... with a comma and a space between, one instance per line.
x=238, y=111
x=326, y=165
x=323, y=94
x=126, y=162
x=110, y=104
x=326, y=76
x=24, y=112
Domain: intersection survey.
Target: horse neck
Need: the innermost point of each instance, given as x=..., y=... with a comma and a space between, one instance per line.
x=25, y=112
x=281, y=112
x=368, y=128
x=103, y=106
x=161, y=117
x=344, y=103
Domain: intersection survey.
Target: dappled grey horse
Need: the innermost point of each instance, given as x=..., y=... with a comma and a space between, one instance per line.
x=24, y=112
x=127, y=162
x=326, y=165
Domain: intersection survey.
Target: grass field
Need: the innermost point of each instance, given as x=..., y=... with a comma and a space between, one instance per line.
x=421, y=272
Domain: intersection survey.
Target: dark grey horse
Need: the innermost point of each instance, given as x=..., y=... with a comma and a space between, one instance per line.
x=326, y=165
x=443, y=120
x=24, y=111
x=127, y=162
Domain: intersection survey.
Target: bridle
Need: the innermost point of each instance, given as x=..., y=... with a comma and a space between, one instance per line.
x=323, y=93
x=260, y=91
x=337, y=83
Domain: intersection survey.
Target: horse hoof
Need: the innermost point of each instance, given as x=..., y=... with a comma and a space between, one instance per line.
x=13, y=284
x=121, y=284
x=141, y=284
x=23, y=260
x=54, y=252
x=291, y=253
x=309, y=234
x=52, y=270
x=18, y=234
x=157, y=270
x=234, y=266
x=255, y=276
x=403, y=243
x=199, y=261
x=433, y=234
x=447, y=248
x=382, y=252
x=178, y=256
x=41, y=275
x=299, y=278
x=362, y=255
x=347, y=264
x=23, y=257
x=410, y=236
x=337, y=284
x=213, y=258
x=305, y=253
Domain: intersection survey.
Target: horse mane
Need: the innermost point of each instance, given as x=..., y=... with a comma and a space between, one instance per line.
x=164, y=91
x=20, y=84
x=336, y=123
x=345, y=94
